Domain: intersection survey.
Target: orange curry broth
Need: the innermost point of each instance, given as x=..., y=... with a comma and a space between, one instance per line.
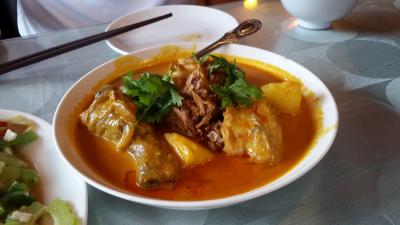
x=224, y=175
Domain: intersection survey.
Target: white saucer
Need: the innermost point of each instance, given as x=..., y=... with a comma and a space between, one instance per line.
x=188, y=24
x=56, y=179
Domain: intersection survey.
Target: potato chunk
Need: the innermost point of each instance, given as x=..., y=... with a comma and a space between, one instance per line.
x=188, y=151
x=284, y=97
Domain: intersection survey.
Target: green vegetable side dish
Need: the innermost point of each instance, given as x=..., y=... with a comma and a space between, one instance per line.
x=17, y=206
x=155, y=95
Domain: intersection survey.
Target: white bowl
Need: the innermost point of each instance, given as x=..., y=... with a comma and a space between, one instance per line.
x=318, y=14
x=86, y=85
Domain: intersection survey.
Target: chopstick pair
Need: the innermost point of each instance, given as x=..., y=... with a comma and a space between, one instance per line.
x=60, y=49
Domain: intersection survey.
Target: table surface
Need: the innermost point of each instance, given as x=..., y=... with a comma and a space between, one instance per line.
x=357, y=182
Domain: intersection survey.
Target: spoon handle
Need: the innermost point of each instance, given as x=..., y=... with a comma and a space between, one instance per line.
x=245, y=28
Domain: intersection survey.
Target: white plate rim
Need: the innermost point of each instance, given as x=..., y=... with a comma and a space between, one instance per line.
x=42, y=124
x=172, y=7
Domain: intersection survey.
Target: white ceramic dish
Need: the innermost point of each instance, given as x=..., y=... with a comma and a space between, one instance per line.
x=56, y=179
x=318, y=14
x=189, y=23
x=84, y=86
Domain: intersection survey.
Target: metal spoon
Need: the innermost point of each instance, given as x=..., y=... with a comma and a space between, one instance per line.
x=245, y=28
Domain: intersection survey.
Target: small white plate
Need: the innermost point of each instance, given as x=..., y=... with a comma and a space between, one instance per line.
x=188, y=24
x=56, y=179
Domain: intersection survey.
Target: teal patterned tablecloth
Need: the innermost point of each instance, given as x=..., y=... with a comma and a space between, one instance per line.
x=357, y=182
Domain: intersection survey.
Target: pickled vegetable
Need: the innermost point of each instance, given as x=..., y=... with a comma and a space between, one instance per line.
x=26, y=215
x=62, y=213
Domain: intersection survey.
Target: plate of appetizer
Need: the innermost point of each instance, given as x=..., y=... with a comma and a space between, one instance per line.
x=189, y=23
x=195, y=133
x=37, y=187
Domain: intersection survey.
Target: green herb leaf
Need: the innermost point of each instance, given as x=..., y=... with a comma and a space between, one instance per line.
x=18, y=186
x=176, y=98
x=236, y=90
x=21, y=140
x=223, y=93
x=153, y=95
x=244, y=93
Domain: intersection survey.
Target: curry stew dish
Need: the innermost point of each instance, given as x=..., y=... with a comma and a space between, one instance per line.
x=196, y=129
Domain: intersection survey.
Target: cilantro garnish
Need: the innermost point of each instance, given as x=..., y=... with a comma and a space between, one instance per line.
x=153, y=95
x=236, y=90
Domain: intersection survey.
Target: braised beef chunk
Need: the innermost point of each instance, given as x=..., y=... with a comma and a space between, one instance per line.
x=156, y=164
x=200, y=114
x=111, y=117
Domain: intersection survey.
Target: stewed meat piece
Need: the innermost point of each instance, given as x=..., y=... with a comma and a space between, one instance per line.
x=110, y=117
x=156, y=164
x=254, y=131
x=200, y=114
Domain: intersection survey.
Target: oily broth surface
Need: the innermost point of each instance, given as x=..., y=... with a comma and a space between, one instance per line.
x=221, y=177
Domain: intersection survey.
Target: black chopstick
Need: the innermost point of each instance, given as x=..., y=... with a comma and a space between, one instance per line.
x=58, y=50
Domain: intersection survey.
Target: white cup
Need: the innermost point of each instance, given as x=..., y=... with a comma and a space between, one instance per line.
x=318, y=14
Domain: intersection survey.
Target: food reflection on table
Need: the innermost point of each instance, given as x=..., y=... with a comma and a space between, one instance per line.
x=195, y=129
